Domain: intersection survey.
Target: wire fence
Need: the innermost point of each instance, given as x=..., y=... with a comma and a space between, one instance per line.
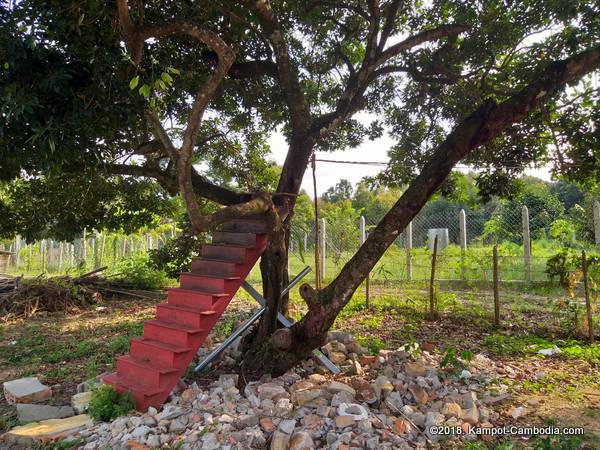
x=466, y=237
x=91, y=251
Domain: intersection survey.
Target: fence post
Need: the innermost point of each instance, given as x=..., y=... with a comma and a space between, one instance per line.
x=408, y=249
x=363, y=238
x=18, y=245
x=462, y=225
x=588, y=305
x=305, y=242
x=60, y=255
x=432, y=311
x=597, y=223
x=496, y=288
x=323, y=248
x=526, y=243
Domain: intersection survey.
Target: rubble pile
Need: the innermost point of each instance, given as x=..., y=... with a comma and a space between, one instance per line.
x=396, y=399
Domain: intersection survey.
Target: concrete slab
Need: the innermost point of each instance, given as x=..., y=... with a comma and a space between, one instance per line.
x=34, y=413
x=47, y=430
x=80, y=401
x=26, y=390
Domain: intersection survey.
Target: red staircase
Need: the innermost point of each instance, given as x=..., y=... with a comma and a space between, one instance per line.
x=157, y=360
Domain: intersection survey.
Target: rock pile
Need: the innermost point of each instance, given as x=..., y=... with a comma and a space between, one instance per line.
x=392, y=400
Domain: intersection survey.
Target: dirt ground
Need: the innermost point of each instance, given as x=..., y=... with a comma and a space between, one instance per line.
x=564, y=390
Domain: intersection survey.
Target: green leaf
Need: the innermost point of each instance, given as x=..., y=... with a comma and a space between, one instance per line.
x=166, y=77
x=145, y=91
x=173, y=70
x=6, y=65
x=134, y=82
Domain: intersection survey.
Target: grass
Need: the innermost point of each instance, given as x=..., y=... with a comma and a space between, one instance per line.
x=60, y=349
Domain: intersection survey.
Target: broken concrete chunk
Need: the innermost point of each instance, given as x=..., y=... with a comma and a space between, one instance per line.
x=26, y=390
x=80, y=401
x=45, y=430
x=34, y=413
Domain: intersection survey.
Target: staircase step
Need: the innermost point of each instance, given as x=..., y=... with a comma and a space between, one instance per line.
x=144, y=396
x=186, y=316
x=156, y=361
x=211, y=267
x=209, y=283
x=147, y=372
x=226, y=252
x=245, y=226
x=190, y=298
x=236, y=238
x=173, y=333
x=161, y=353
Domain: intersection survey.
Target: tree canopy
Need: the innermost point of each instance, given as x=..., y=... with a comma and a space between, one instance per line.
x=186, y=94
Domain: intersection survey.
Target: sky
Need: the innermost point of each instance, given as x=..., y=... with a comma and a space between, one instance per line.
x=329, y=174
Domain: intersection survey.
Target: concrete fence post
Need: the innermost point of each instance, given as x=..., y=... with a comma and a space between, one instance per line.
x=526, y=243
x=597, y=224
x=462, y=227
x=18, y=245
x=323, y=247
x=305, y=241
x=408, y=250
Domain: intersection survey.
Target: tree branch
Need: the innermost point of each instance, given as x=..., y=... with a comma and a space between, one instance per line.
x=168, y=180
x=484, y=124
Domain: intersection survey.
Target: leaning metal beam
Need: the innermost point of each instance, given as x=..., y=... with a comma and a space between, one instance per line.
x=286, y=323
x=227, y=342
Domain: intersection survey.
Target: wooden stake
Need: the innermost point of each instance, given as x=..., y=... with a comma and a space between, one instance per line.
x=586, y=289
x=496, y=289
x=432, y=311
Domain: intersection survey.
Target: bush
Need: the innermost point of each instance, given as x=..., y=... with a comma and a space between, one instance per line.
x=107, y=404
x=136, y=269
x=175, y=256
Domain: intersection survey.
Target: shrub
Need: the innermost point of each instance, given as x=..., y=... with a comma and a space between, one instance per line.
x=136, y=269
x=175, y=256
x=107, y=404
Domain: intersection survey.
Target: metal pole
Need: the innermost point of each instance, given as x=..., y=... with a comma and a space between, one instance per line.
x=597, y=224
x=408, y=248
x=363, y=238
x=496, y=288
x=286, y=323
x=317, y=235
x=323, y=248
x=462, y=225
x=432, y=309
x=227, y=342
x=588, y=304
x=526, y=243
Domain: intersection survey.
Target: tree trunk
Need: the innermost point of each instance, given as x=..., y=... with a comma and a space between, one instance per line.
x=487, y=122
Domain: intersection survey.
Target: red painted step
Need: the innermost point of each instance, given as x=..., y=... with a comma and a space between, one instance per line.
x=157, y=360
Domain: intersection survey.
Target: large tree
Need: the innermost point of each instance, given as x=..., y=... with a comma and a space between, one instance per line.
x=154, y=89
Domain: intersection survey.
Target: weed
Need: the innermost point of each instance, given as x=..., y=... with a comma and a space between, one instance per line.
x=373, y=344
x=107, y=404
x=454, y=363
x=558, y=443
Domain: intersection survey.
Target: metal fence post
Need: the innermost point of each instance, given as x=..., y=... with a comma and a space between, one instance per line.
x=408, y=249
x=363, y=238
x=323, y=247
x=597, y=223
x=462, y=226
x=526, y=243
